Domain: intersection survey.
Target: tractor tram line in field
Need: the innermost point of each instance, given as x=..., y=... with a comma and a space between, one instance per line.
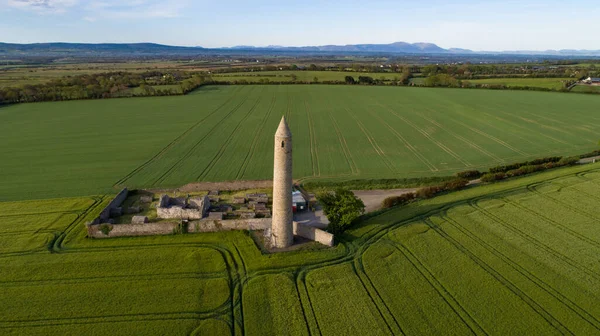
x=440, y=289
x=344, y=144
x=174, y=142
x=527, y=130
x=408, y=145
x=257, y=135
x=486, y=259
x=313, y=141
x=502, y=280
x=536, y=242
x=540, y=283
x=428, y=136
x=189, y=152
x=463, y=139
x=563, y=228
x=226, y=143
x=231, y=311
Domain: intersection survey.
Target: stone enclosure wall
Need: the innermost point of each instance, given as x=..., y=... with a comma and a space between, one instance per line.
x=209, y=225
x=205, y=225
x=129, y=230
x=114, y=204
x=312, y=233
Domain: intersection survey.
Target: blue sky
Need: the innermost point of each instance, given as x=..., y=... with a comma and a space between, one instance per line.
x=477, y=25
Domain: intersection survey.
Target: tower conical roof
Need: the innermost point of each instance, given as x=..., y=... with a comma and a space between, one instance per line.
x=283, y=130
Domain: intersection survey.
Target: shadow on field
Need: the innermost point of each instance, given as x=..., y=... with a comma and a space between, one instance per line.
x=205, y=90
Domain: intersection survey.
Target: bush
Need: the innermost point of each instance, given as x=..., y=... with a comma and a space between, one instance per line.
x=469, y=174
x=106, y=228
x=492, y=177
x=569, y=161
x=428, y=192
x=536, y=162
x=393, y=201
x=455, y=185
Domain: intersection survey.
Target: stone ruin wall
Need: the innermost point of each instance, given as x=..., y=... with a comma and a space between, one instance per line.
x=182, y=208
x=207, y=225
x=115, y=203
x=312, y=233
x=129, y=230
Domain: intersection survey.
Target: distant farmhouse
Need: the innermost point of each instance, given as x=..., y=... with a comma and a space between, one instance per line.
x=592, y=81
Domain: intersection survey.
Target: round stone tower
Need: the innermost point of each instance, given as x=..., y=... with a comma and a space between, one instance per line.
x=282, y=234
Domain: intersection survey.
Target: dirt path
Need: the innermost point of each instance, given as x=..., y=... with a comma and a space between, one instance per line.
x=374, y=198
x=590, y=159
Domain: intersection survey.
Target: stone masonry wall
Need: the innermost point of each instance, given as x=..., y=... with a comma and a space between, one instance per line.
x=128, y=230
x=208, y=225
x=105, y=214
x=153, y=229
x=313, y=233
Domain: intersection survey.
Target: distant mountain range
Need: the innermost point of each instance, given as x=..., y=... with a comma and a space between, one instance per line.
x=83, y=49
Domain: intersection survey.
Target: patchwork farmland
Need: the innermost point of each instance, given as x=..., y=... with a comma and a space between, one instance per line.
x=223, y=133
x=517, y=257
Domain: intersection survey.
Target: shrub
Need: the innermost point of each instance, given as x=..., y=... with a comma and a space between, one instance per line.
x=105, y=228
x=536, y=162
x=491, y=177
x=397, y=200
x=455, y=184
x=469, y=174
x=428, y=192
x=568, y=161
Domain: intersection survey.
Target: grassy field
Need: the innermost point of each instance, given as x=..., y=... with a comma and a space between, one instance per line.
x=528, y=248
x=546, y=83
x=586, y=88
x=303, y=76
x=220, y=133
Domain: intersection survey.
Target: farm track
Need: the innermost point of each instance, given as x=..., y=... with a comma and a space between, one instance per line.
x=250, y=154
x=519, y=269
x=172, y=143
x=197, y=143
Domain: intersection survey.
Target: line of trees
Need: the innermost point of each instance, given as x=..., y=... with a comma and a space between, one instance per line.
x=105, y=85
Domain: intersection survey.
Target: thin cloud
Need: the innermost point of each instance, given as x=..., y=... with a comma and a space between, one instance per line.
x=137, y=9
x=41, y=6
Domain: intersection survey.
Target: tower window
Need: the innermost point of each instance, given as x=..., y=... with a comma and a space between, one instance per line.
x=282, y=144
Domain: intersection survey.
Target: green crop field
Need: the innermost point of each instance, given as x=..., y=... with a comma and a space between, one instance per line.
x=513, y=258
x=546, y=83
x=221, y=133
